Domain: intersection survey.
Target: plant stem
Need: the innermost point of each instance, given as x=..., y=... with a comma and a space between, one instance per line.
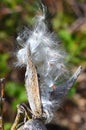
x=1, y=102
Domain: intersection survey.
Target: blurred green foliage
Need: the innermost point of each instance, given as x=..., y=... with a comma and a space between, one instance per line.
x=14, y=14
x=75, y=43
x=7, y=126
x=17, y=91
x=3, y=64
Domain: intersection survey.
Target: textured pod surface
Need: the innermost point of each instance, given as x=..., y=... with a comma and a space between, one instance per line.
x=32, y=88
x=34, y=125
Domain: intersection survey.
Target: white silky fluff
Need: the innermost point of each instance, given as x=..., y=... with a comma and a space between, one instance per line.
x=46, y=54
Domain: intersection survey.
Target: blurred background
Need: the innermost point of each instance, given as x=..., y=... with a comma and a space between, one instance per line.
x=68, y=20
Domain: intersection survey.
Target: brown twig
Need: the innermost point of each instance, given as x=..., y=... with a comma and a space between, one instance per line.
x=77, y=24
x=75, y=7
x=1, y=102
